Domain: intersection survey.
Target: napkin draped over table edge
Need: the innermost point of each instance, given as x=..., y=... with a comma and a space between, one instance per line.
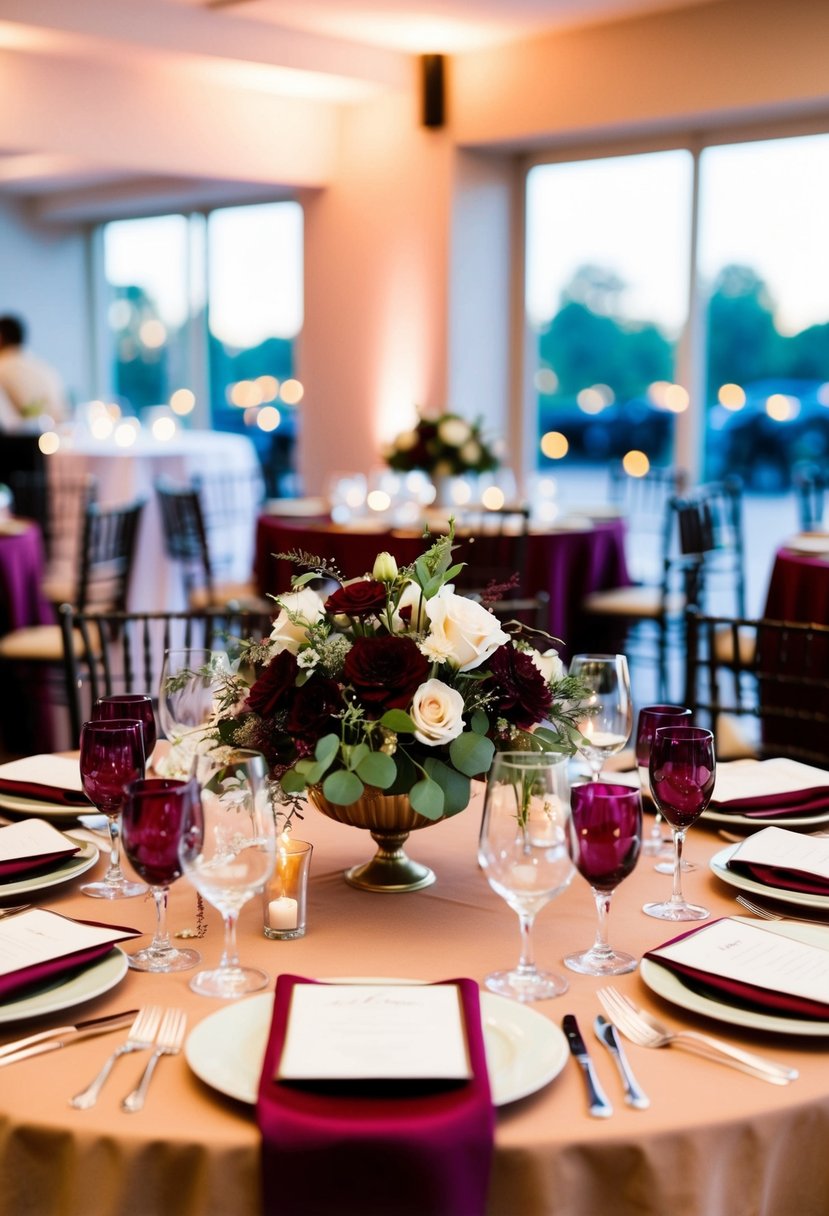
x=358, y=1155
x=752, y=996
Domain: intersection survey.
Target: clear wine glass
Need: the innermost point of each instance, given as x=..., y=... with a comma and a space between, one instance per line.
x=228, y=851
x=608, y=720
x=682, y=773
x=605, y=838
x=191, y=680
x=152, y=821
x=134, y=706
x=112, y=755
x=651, y=716
x=523, y=852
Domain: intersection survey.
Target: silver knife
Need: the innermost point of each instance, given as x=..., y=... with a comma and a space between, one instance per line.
x=606, y=1034
x=61, y=1036
x=598, y=1106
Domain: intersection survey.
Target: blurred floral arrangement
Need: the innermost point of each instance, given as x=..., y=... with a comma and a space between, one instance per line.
x=396, y=682
x=445, y=446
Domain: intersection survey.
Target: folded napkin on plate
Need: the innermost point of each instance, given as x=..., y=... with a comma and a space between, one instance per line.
x=770, y=789
x=787, y=861
x=52, y=945
x=352, y=1150
x=751, y=996
x=32, y=845
x=45, y=778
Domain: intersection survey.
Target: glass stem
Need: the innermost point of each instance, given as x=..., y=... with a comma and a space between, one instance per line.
x=679, y=840
x=526, y=963
x=114, y=873
x=601, y=945
x=230, y=953
x=161, y=941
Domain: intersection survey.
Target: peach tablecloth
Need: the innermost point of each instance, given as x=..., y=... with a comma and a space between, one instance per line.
x=713, y=1143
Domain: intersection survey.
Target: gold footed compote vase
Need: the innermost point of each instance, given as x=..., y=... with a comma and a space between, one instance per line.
x=390, y=818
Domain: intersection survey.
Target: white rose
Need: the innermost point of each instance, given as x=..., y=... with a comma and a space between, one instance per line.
x=454, y=432
x=299, y=610
x=466, y=630
x=549, y=664
x=415, y=621
x=471, y=453
x=405, y=441
x=437, y=711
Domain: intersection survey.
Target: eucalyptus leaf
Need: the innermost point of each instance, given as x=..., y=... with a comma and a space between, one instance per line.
x=479, y=722
x=326, y=749
x=471, y=754
x=342, y=787
x=456, y=787
x=427, y=799
x=356, y=755
x=377, y=769
x=398, y=721
x=292, y=781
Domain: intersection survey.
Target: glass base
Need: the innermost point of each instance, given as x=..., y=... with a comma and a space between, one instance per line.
x=592, y=962
x=527, y=985
x=229, y=982
x=655, y=846
x=163, y=960
x=667, y=867
x=114, y=890
x=676, y=911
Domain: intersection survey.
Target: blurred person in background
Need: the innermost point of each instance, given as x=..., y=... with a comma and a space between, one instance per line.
x=30, y=390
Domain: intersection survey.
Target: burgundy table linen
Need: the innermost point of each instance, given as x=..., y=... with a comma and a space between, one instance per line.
x=765, y=1000
x=567, y=564
x=22, y=562
x=337, y=1149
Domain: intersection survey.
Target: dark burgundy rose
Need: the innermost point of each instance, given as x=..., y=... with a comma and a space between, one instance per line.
x=313, y=706
x=362, y=598
x=273, y=689
x=385, y=672
x=520, y=691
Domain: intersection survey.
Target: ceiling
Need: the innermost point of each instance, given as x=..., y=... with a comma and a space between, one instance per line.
x=332, y=50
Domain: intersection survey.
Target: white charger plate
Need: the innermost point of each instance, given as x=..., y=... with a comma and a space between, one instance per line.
x=719, y=865
x=74, y=989
x=60, y=872
x=671, y=987
x=43, y=810
x=524, y=1050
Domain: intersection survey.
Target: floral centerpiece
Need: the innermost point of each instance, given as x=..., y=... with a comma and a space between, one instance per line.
x=447, y=446
x=395, y=684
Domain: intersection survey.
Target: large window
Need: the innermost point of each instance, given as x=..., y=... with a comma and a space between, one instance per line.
x=203, y=313
x=609, y=274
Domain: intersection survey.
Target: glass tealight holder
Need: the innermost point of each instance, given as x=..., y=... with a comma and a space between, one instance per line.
x=285, y=895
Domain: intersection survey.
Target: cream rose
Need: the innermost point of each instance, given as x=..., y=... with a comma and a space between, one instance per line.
x=437, y=711
x=454, y=431
x=463, y=630
x=299, y=610
x=549, y=664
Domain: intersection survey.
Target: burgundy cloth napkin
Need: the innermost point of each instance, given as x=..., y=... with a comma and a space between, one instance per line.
x=38, y=973
x=778, y=806
x=780, y=877
x=25, y=865
x=750, y=996
x=44, y=793
x=344, y=1149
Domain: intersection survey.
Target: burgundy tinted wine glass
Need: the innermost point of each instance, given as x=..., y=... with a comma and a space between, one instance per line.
x=605, y=837
x=682, y=772
x=651, y=716
x=112, y=755
x=134, y=706
x=152, y=822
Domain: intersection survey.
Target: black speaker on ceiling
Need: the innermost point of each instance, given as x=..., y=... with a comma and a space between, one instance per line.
x=433, y=90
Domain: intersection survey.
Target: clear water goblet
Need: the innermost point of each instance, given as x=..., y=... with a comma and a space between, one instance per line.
x=191, y=682
x=228, y=852
x=682, y=773
x=523, y=851
x=112, y=755
x=608, y=717
x=152, y=821
x=605, y=838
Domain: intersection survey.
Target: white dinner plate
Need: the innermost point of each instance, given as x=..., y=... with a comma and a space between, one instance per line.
x=732, y=819
x=672, y=988
x=74, y=989
x=524, y=1050
x=718, y=864
x=43, y=810
x=60, y=872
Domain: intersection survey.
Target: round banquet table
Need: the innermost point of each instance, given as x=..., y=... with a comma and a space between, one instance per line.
x=714, y=1142
x=567, y=563
x=799, y=587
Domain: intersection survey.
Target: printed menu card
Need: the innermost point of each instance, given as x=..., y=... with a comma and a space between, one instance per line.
x=46, y=777
x=30, y=845
x=785, y=860
x=39, y=944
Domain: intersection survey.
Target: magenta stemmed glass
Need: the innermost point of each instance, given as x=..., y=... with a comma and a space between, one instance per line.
x=605, y=838
x=134, y=706
x=651, y=716
x=682, y=773
x=112, y=755
x=152, y=822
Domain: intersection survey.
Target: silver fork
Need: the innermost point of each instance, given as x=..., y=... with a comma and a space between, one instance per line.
x=140, y=1038
x=767, y=914
x=168, y=1043
x=645, y=1030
